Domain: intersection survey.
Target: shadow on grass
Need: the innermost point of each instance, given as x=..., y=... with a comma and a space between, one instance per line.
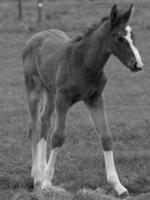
x=22, y=189
x=57, y=193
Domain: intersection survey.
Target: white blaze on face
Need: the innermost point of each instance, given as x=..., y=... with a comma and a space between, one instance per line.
x=134, y=49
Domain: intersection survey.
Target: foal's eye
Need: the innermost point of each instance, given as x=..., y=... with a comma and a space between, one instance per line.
x=120, y=39
x=120, y=36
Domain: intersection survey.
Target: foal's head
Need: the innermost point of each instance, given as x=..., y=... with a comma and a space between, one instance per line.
x=120, y=40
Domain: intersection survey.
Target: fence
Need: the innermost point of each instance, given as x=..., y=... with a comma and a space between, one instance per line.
x=39, y=10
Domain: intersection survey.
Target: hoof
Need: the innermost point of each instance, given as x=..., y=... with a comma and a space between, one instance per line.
x=37, y=185
x=46, y=185
x=46, y=181
x=125, y=195
x=37, y=176
x=37, y=180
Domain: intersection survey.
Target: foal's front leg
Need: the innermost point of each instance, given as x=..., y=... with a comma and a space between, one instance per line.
x=97, y=112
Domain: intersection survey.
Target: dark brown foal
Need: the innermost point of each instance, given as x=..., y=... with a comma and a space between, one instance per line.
x=62, y=72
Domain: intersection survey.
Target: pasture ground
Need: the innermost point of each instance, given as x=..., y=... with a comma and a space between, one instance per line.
x=127, y=96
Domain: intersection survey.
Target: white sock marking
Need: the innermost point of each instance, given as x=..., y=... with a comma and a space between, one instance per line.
x=35, y=172
x=134, y=49
x=111, y=173
x=35, y=168
x=49, y=169
x=42, y=153
x=52, y=158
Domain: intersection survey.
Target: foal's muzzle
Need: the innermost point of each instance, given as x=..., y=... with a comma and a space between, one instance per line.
x=136, y=67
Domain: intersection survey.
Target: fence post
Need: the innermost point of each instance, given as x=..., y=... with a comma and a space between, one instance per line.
x=39, y=8
x=20, y=9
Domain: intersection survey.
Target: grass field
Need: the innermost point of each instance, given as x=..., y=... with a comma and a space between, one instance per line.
x=127, y=98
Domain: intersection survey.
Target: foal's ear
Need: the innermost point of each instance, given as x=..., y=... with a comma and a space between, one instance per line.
x=127, y=15
x=114, y=15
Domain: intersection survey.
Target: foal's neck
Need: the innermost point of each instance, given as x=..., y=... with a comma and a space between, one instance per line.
x=95, y=55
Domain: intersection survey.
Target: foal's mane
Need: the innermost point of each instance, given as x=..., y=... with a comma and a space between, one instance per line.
x=91, y=29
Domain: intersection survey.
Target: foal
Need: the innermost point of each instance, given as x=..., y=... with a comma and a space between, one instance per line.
x=66, y=71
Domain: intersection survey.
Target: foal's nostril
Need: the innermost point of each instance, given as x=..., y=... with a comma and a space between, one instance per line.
x=137, y=67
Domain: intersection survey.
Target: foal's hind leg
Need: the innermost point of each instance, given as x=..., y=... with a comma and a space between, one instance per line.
x=45, y=125
x=61, y=108
x=34, y=89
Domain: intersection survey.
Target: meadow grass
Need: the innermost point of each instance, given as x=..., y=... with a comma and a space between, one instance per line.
x=127, y=96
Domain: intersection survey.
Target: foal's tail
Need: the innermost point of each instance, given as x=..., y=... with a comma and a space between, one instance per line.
x=30, y=55
x=33, y=82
